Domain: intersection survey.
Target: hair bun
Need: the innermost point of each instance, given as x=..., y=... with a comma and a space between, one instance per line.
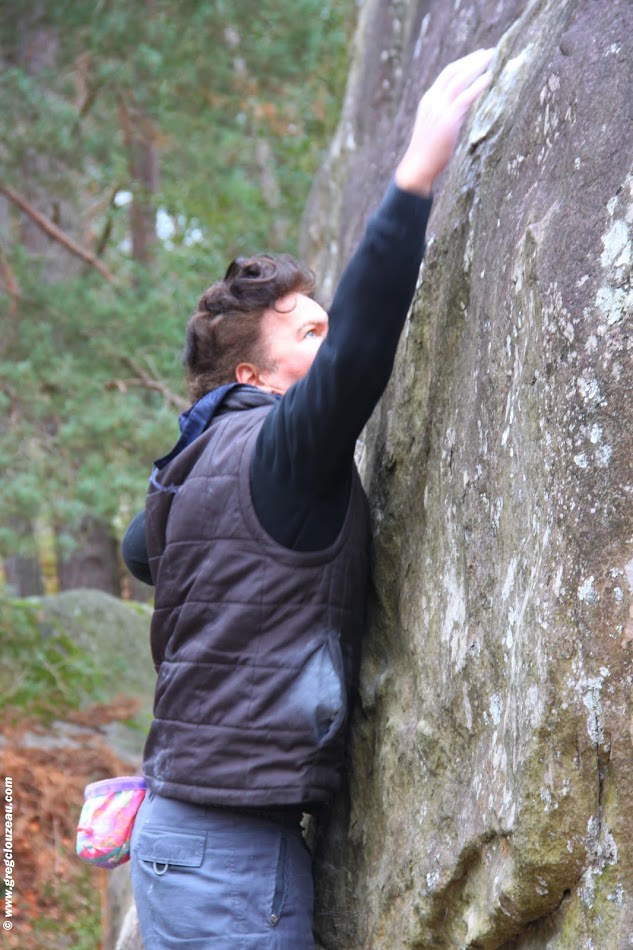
x=226, y=328
x=215, y=301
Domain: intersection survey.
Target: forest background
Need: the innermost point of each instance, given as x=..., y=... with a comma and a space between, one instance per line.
x=145, y=144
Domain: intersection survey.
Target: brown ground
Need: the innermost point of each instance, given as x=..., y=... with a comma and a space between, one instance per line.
x=57, y=898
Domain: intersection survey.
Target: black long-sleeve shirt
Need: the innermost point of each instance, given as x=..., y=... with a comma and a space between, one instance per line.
x=301, y=466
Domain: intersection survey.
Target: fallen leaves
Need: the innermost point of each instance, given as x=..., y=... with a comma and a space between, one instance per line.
x=55, y=894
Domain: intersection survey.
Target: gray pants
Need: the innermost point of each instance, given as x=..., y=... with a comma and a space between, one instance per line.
x=212, y=879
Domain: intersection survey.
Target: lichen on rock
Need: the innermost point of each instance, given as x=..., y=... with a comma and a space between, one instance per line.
x=490, y=803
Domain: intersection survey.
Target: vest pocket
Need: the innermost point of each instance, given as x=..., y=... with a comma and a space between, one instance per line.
x=318, y=694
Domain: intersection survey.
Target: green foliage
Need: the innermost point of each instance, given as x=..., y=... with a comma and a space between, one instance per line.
x=43, y=673
x=77, y=915
x=236, y=100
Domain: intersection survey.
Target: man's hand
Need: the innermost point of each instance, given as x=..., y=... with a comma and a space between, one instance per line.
x=439, y=119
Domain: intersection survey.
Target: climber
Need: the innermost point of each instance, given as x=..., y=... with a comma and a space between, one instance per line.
x=255, y=535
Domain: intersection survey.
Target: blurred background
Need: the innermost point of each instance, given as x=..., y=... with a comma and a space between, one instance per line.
x=144, y=144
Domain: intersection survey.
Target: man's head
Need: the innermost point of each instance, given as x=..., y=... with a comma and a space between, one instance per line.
x=259, y=326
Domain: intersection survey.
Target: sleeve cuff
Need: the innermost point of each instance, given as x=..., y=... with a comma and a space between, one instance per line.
x=402, y=211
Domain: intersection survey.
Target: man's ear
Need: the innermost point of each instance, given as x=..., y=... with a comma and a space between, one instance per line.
x=248, y=374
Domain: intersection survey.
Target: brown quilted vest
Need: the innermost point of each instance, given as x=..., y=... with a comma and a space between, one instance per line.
x=255, y=645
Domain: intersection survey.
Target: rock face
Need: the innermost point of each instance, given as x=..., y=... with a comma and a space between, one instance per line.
x=115, y=634
x=490, y=802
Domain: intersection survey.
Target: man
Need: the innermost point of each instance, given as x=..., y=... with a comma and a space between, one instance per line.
x=256, y=534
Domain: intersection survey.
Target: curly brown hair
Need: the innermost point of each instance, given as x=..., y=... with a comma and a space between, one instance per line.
x=225, y=330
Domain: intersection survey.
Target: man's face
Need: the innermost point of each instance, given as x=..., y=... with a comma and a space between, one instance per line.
x=291, y=335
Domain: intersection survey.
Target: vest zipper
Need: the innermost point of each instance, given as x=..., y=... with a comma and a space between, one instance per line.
x=280, y=884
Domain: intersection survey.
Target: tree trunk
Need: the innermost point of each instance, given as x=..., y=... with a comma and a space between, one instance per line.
x=144, y=164
x=138, y=132
x=134, y=589
x=22, y=572
x=37, y=51
x=93, y=561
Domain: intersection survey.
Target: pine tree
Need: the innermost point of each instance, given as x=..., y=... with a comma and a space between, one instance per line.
x=154, y=141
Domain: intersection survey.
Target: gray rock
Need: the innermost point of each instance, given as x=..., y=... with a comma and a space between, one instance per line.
x=490, y=802
x=123, y=932
x=115, y=633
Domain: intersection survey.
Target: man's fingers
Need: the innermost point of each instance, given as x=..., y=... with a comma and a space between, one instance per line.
x=469, y=73
x=471, y=65
x=440, y=116
x=465, y=99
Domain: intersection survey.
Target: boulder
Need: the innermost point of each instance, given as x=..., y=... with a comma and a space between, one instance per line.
x=115, y=634
x=490, y=800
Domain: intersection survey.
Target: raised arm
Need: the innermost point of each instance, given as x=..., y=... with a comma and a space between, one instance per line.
x=305, y=448
x=308, y=440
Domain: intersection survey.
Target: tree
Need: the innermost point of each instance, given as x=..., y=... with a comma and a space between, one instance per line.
x=160, y=140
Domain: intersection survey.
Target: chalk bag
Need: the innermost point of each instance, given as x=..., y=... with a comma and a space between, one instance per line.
x=106, y=820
